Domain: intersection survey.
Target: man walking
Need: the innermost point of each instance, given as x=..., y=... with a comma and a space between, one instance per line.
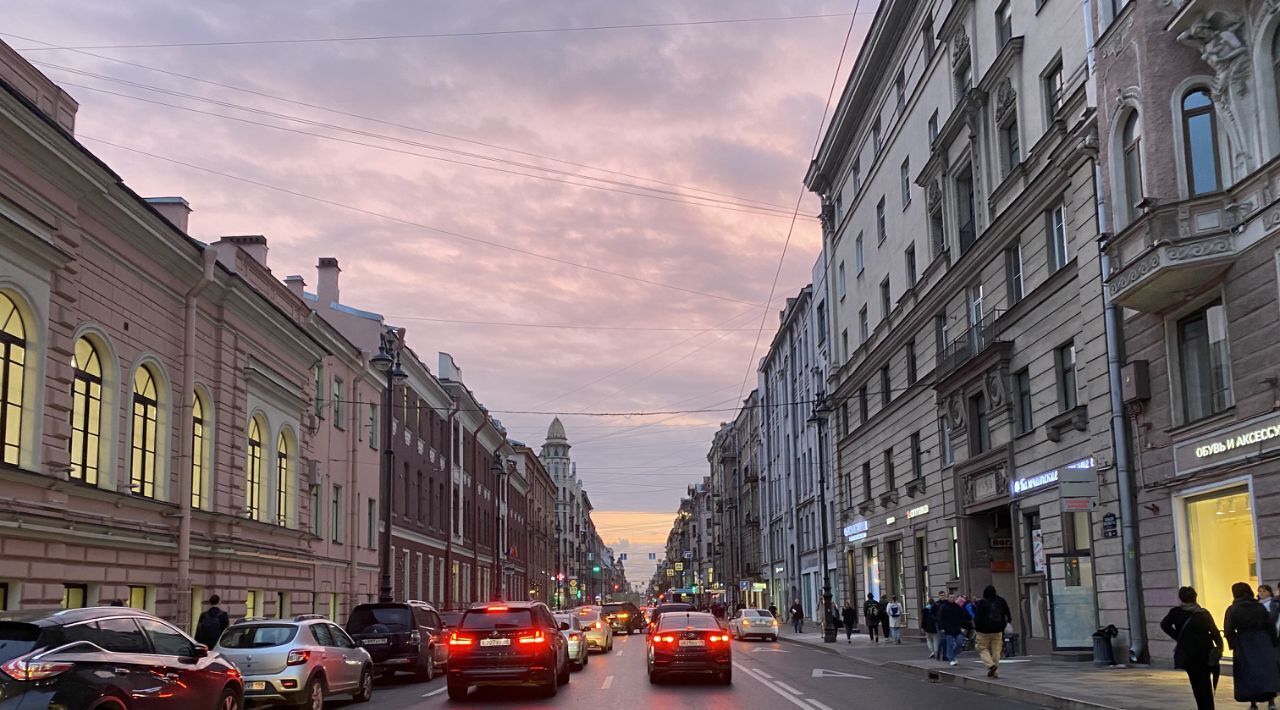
x=952, y=621
x=212, y=623
x=929, y=625
x=850, y=618
x=797, y=617
x=893, y=610
x=871, y=612
x=990, y=615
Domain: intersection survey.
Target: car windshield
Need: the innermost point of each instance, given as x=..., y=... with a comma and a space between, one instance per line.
x=754, y=612
x=451, y=618
x=497, y=619
x=588, y=615
x=264, y=636
x=677, y=620
x=379, y=620
x=17, y=640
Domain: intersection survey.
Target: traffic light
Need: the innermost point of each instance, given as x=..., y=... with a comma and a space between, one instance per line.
x=694, y=589
x=595, y=568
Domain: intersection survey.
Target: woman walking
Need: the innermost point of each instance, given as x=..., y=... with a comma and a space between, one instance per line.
x=850, y=621
x=1252, y=638
x=1198, y=646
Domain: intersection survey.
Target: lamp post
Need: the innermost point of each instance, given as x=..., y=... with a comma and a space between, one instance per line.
x=559, y=569
x=387, y=361
x=499, y=549
x=819, y=417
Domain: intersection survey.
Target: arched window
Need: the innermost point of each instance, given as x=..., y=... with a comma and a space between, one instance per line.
x=1133, y=165
x=283, y=487
x=142, y=475
x=86, y=411
x=1200, y=133
x=13, y=359
x=253, y=470
x=197, y=450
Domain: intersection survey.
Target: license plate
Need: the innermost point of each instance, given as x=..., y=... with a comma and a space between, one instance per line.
x=256, y=685
x=694, y=642
x=495, y=642
x=374, y=642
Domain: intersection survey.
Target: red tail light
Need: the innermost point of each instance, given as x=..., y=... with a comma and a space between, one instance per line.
x=297, y=657
x=718, y=638
x=527, y=637
x=457, y=639
x=596, y=625
x=22, y=669
x=664, y=639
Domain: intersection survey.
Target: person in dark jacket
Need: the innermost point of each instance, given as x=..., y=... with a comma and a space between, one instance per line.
x=952, y=621
x=929, y=625
x=850, y=617
x=871, y=612
x=990, y=615
x=212, y=623
x=885, y=628
x=1198, y=645
x=797, y=617
x=1252, y=639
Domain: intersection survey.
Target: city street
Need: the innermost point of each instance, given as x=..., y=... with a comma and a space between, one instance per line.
x=767, y=676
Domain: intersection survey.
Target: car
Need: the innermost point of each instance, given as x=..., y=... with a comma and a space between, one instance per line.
x=689, y=642
x=109, y=658
x=624, y=617
x=754, y=622
x=450, y=619
x=401, y=637
x=579, y=656
x=597, y=631
x=299, y=661
x=507, y=643
x=661, y=609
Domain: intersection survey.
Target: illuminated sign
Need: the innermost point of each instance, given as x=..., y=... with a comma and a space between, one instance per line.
x=1249, y=438
x=918, y=511
x=856, y=528
x=859, y=536
x=1030, y=483
x=891, y=520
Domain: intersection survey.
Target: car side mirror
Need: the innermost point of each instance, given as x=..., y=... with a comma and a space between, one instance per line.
x=564, y=626
x=200, y=651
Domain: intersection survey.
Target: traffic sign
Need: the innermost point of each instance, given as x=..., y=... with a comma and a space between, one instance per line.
x=679, y=566
x=671, y=573
x=573, y=583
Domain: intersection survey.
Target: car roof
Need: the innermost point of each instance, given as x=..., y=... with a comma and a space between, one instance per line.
x=510, y=605
x=691, y=614
x=58, y=617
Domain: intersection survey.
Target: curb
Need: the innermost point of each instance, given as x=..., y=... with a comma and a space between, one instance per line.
x=988, y=687
x=832, y=648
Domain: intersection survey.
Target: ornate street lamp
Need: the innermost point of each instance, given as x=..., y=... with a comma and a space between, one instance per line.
x=387, y=361
x=819, y=417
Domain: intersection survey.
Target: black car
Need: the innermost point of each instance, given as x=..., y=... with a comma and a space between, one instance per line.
x=661, y=609
x=109, y=658
x=401, y=637
x=507, y=643
x=690, y=642
x=624, y=617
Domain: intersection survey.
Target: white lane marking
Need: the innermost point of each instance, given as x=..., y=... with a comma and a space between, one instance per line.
x=824, y=673
x=770, y=685
x=437, y=691
x=766, y=675
x=787, y=688
x=817, y=704
x=608, y=683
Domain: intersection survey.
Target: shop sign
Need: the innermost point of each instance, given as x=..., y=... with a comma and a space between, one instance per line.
x=1026, y=484
x=917, y=511
x=891, y=520
x=671, y=573
x=1002, y=542
x=855, y=538
x=1246, y=439
x=852, y=530
x=757, y=586
x=778, y=570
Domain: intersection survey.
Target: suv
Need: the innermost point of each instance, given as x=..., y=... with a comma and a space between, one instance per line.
x=624, y=617
x=300, y=661
x=661, y=609
x=507, y=643
x=109, y=658
x=401, y=636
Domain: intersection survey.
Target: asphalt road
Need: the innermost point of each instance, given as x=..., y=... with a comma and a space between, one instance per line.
x=767, y=676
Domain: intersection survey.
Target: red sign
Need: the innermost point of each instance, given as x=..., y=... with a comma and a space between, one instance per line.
x=1001, y=565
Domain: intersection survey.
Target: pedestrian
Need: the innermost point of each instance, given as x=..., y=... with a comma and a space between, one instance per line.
x=1198, y=645
x=884, y=620
x=893, y=612
x=797, y=617
x=850, y=621
x=117, y=602
x=929, y=625
x=212, y=623
x=773, y=610
x=1252, y=639
x=952, y=622
x=990, y=617
x=871, y=612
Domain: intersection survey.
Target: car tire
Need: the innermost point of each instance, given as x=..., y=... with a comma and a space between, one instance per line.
x=313, y=695
x=114, y=704
x=726, y=677
x=364, y=693
x=427, y=671
x=457, y=690
x=550, y=686
x=654, y=678
x=562, y=678
x=231, y=699
x=773, y=639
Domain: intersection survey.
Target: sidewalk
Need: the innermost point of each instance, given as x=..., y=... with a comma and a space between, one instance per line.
x=1034, y=679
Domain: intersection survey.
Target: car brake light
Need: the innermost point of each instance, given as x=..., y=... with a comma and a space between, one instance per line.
x=457, y=640
x=623, y=615
x=495, y=608
x=23, y=669
x=664, y=639
x=716, y=638
x=533, y=637
x=297, y=657
x=573, y=635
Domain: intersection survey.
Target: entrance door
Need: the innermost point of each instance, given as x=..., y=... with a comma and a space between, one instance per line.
x=922, y=572
x=871, y=570
x=1221, y=544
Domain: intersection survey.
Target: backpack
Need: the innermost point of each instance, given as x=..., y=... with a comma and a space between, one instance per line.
x=993, y=613
x=873, y=611
x=209, y=628
x=895, y=610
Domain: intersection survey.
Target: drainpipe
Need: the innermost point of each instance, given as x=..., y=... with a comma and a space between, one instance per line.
x=210, y=259
x=357, y=369
x=448, y=537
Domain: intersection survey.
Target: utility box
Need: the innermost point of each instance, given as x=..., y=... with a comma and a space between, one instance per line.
x=1135, y=384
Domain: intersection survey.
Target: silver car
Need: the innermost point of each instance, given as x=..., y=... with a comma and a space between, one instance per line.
x=572, y=632
x=299, y=661
x=754, y=622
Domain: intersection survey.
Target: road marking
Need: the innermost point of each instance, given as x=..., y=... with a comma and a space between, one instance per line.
x=619, y=653
x=608, y=683
x=817, y=704
x=771, y=686
x=787, y=688
x=437, y=691
x=824, y=673
x=769, y=650
x=766, y=675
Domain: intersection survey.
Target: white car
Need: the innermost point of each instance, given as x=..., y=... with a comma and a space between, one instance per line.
x=754, y=622
x=572, y=632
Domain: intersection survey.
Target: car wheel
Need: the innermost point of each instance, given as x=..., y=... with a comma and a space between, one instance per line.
x=654, y=678
x=113, y=704
x=428, y=670
x=313, y=695
x=364, y=693
x=773, y=638
x=229, y=700
x=457, y=690
x=550, y=686
x=726, y=677
x=562, y=678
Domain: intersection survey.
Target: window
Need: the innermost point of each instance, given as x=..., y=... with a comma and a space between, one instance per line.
x=886, y=392
x=1275, y=61
x=166, y=640
x=876, y=143
x=74, y=596
x=1200, y=133
x=1132, y=166
x=1013, y=272
x=933, y=127
x=866, y=480
x=1011, y=153
x=844, y=420
x=338, y=391
x=251, y=608
x=937, y=231
x=1204, y=373
x=940, y=329
x=838, y=208
x=963, y=77
x=315, y=510
x=13, y=357
x=318, y=371
x=862, y=404
x=886, y=299
x=864, y=333
x=86, y=410
x=142, y=471
x=910, y=257
x=822, y=323
x=890, y=477
x=905, y=178
x=373, y=426
x=979, y=431
x=840, y=281
x=975, y=305
x=1004, y=23
x=419, y=494
x=911, y=363
x=858, y=260
x=1022, y=390
x=968, y=209
x=371, y=524
x=917, y=471
x=197, y=450
x=844, y=344
x=253, y=470
x=927, y=43
x=855, y=177
x=335, y=515
x=137, y=597
x=882, y=230
x=284, y=486
x=944, y=433
x=900, y=90
x=1056, y=229
x=1066, y=361
x=1053, y=90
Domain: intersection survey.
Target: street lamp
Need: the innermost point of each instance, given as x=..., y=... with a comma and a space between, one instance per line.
x=387, y=361
x=819, y=417
x=499, y=566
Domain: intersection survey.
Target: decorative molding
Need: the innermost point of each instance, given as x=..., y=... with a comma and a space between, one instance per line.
x=995, y=389
x=1135, y=272
x=1207, y=247
x=1115, y=44
x=1217, y=35
x=960, y=50
x=955, y=413
x=934, y=197
x=1006, y=99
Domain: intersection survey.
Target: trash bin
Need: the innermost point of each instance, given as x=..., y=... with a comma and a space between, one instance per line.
x=1103, y=653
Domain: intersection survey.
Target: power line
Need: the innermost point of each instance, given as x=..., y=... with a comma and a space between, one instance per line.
x=573, y=326
x=477, y=33
x=411, y=223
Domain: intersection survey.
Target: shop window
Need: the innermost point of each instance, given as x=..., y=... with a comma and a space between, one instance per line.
x=251, y=608
x=1035, y=542
x=1220, y=532
x=1203, y=363
x=86, y=411
x=1076, y=532
x=75, y=596
x=142, y=472
x=979, y=431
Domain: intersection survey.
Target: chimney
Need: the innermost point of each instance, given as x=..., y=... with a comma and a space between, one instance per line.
x=255, y=245
x=296, y=285
x=174, y=209
x=327, y=286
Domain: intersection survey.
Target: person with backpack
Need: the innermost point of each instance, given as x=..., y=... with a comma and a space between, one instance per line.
x=1198, y=647
x=990, y=615
x=893, y=612
x=871, y=612
x=212, y=623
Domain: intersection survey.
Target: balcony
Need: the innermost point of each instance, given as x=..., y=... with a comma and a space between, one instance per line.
x=972, y=343
x=1165, y=264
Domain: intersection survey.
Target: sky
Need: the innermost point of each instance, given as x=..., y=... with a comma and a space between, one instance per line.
x=636, y=183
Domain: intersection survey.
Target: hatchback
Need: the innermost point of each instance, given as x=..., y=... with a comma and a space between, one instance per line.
x=624, y=617
x=300, y=661
x=109, y=658
x=401, y=636
x=690, y=642
x=507, y=643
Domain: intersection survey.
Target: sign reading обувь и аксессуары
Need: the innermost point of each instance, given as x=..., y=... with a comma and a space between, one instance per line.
x=1227, y=445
